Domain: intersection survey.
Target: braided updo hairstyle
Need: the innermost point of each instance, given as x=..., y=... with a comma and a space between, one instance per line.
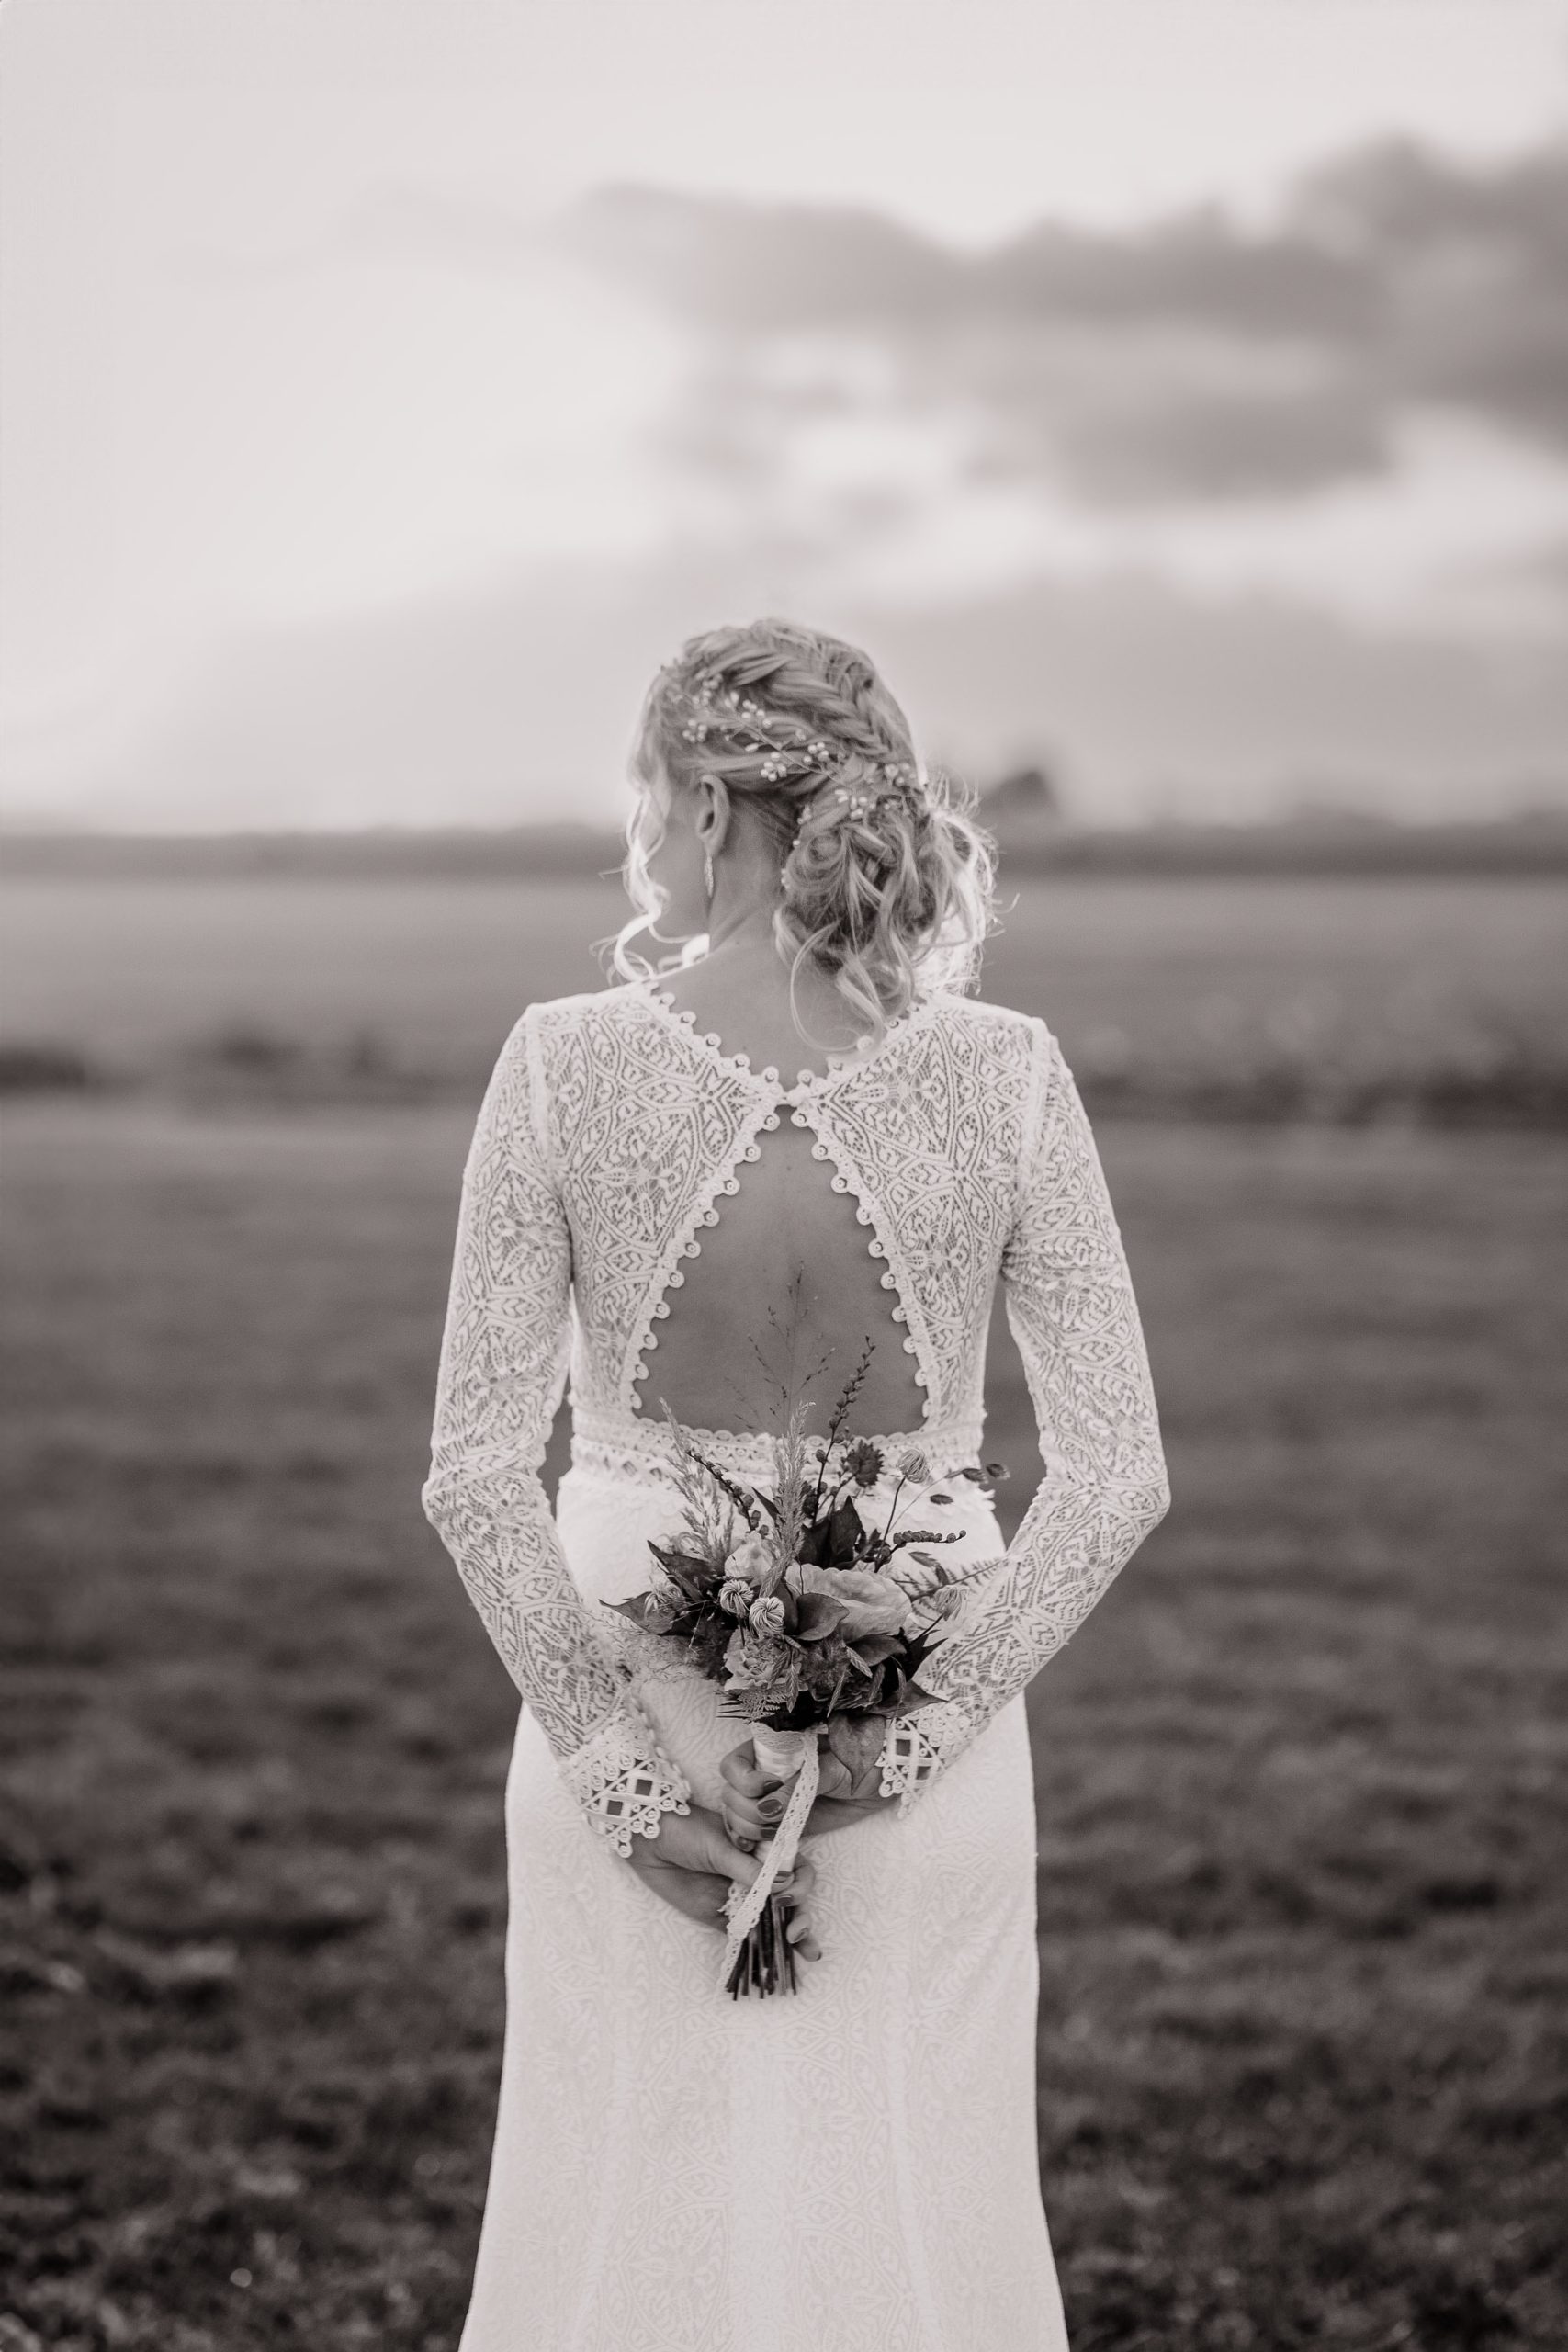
x=886, y=880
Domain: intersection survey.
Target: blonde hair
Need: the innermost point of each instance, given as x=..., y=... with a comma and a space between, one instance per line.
x=885, y=879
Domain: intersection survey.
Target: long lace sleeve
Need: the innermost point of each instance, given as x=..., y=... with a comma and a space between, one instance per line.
x=1070, y=1307
x=504, y=1359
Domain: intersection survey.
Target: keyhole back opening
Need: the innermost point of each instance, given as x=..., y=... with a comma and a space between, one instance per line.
x=784, y=1227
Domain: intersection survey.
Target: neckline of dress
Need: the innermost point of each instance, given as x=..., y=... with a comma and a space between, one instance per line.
x=865, y=1050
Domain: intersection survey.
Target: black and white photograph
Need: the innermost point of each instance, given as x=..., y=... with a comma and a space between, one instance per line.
x=784, y=1265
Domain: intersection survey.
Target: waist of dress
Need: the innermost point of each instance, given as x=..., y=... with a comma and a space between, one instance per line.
x=624, y=1444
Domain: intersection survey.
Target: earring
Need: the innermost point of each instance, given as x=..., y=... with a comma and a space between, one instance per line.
x=707, y=872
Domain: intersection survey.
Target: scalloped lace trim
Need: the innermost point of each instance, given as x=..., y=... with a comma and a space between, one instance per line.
x=918, y=1745
x=865, y=1048
x=704, y=1210
x=623, y=1792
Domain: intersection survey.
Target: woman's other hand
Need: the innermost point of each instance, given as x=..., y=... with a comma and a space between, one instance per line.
x=690, y=1862
x=753, y=1804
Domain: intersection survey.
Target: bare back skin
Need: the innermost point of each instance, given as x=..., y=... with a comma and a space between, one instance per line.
x=785, y=1233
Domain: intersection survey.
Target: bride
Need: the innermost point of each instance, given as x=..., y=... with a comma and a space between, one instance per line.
x=807, y=1105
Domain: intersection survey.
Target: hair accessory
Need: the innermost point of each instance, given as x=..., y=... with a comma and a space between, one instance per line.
x=751, y=730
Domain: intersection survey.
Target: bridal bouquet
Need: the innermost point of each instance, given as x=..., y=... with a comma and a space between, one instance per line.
x=814, y=1623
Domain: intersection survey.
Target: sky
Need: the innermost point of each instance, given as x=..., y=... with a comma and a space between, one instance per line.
x=1171, y=391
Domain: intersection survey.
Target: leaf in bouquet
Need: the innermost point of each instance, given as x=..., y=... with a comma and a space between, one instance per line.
x=817, y=1615
x=857, y=1741
x=811, y=1544
x=913, y=1695
x=860, y=1686
x=645, y=1609
x=844, y=1531
x=694, y=1578
x=874, y=1649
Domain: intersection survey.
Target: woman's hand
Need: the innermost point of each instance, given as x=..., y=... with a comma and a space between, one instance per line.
x=753, y=1804
x=690, y=1862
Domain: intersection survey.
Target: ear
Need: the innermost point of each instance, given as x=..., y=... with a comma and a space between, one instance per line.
x=713, y=813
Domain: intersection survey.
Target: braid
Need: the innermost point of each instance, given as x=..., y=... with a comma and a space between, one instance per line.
x=884, y=881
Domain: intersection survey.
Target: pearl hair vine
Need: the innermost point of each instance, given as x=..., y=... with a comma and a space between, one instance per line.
x=746, y=726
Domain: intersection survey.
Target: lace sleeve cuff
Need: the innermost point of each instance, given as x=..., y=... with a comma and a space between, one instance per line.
x=623, y=1780
x=918, y=1745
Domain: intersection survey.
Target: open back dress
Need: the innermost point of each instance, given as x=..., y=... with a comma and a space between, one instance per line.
x=851, y=2168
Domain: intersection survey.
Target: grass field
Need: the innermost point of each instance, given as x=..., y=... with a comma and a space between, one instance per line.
x=1262, y=997
x=1303, y=1777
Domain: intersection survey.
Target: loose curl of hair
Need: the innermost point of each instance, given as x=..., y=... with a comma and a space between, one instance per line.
x=891, y=899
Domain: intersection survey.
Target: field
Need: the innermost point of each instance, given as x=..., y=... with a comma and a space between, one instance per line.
x=1303, y=1777
x=1435, y=1000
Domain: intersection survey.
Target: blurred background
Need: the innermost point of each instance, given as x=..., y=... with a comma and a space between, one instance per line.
x=1173, y=398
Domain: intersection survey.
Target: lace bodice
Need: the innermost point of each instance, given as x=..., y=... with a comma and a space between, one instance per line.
x=610, y=1134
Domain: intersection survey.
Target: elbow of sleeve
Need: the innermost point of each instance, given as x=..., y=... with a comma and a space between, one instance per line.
x=442, y=1498
x=1159, y=1496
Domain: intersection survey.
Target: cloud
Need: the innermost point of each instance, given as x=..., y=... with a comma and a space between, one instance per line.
x=1186, y=360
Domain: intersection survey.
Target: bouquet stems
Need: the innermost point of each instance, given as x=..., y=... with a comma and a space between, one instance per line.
x=761, y=1958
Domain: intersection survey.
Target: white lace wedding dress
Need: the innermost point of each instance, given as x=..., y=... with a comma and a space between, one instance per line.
x=851, y=2168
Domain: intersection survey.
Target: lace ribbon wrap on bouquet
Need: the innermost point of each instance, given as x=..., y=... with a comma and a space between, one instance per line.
x=779, y=1754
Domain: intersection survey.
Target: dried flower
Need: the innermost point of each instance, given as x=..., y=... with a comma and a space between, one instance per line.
x=736, y=1596
x=864, y=1461
x=750, y=1560
x=767, y=1617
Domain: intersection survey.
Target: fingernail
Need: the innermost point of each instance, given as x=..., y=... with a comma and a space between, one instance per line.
x=770, y=1808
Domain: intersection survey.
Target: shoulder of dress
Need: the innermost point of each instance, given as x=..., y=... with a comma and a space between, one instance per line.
x=581, y=1000
x=558, y=1016
x=1000, y=1024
